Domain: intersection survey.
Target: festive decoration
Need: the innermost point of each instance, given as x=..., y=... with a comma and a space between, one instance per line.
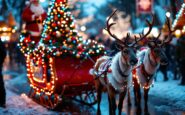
x=144, y=6
x=7, y=31
x=146, y=86
x=46, y=60
x=179, y=22
x=59, y=35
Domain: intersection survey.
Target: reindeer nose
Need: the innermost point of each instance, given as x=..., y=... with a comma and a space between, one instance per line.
x=133, y=61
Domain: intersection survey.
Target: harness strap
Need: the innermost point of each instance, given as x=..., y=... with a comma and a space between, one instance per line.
x=119, y=70
x=105, y=70
x=144, y=72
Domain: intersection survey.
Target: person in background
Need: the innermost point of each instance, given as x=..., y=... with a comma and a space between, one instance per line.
x=33, y=15
x=2, y=87
x=180, y=56
x=164, y=68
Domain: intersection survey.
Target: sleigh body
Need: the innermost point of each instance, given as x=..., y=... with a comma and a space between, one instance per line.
x=59, y=77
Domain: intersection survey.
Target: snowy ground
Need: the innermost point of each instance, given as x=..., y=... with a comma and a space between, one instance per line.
x=171, y=92
x=166, y=98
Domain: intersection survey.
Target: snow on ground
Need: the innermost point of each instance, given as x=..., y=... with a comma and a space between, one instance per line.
x=22, y=105
x=171, y=92
x=167, y=96
x=18, y=103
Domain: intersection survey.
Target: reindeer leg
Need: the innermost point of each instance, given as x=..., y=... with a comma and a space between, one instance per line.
x=137, y=99
x=110, y=108
x=99, y=92
x=98, y=87
x=128, y=98
x=139, y=95
x=112, y=94
x=146, y=100
x=136, y=94
x=121, y=98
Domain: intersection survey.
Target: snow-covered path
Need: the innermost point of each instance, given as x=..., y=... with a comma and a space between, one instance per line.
x=18, y=103
x=22, y=105
x=170, y=95
x=166, y=98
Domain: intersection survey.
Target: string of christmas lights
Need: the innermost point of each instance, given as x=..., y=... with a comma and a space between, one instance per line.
x=135, y=76
x=179, y=14
x=58, y=39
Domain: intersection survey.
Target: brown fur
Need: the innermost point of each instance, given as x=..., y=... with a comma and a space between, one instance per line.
x=101, y=85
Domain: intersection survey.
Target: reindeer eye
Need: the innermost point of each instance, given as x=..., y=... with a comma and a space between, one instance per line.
x=125, y=51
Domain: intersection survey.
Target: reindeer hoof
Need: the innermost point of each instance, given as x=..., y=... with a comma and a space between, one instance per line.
x=98, y=113
x=146, y=112
x=138, y=110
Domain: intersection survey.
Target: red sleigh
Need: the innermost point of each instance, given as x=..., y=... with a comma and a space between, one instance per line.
x=58, y=66
x=61, y=77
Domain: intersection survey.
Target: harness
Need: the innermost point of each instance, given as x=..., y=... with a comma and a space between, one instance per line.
x=119, y=70
x=147, y=75
x=114, y=81
x=103, y=69
x=105, y=66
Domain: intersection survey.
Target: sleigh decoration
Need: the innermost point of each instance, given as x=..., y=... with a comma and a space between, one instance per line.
x=58, y=66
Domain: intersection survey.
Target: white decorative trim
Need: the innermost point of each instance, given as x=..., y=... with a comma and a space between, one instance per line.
x=33, y=17
x=115, y=78
x=148, y=67
x=40, y=27
x=36, y=34
x=37, y=10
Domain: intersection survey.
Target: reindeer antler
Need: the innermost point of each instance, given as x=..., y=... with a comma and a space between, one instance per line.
x=122, y=43
x=170, y=31
x=167, y=40
x=142, y=36
x=125, y=39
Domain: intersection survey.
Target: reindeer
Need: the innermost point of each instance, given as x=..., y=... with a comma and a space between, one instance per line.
x=149, y=61
x=113, y=74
